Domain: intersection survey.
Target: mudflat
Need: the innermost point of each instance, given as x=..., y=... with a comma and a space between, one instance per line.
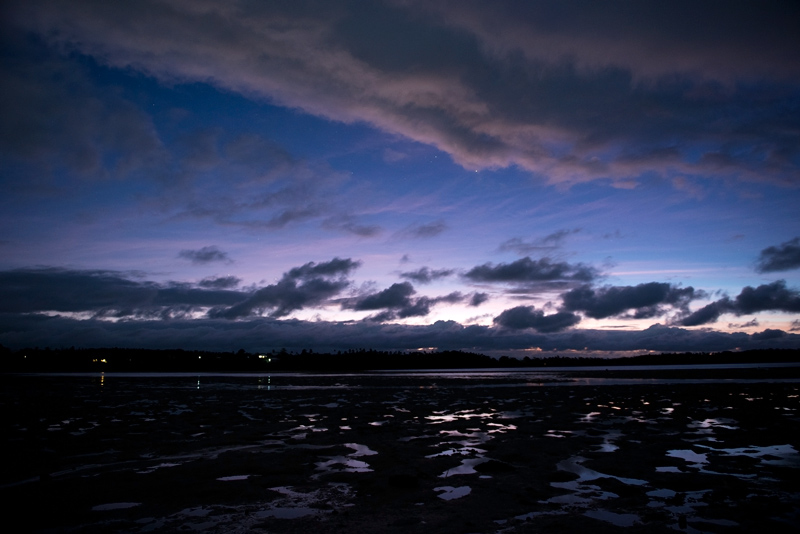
x=427, y=452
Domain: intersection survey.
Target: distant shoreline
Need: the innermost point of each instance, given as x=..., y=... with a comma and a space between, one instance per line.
x=178, y=360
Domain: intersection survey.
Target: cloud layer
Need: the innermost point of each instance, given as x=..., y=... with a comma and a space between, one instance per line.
x=570, y=91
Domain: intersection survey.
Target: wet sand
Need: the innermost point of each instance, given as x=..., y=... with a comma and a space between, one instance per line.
x=416, y=453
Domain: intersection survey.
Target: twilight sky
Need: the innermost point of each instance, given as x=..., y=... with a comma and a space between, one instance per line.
x=523, y=178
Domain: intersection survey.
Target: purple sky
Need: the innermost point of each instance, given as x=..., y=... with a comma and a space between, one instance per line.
x=523, y=178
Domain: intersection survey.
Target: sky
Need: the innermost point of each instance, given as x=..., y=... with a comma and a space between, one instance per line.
x=522, y=178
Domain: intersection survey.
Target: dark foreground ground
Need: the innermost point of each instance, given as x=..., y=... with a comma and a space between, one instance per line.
x=397, y=454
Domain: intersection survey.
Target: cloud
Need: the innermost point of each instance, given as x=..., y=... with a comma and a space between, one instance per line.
x=103, y=293
x=312, y=284
x=205, y=255
x=125, y=295
x=749, y=324
x=478, y=298
x=766, y=297
x=335, y=267
x=398, y=301
x=783, y=258
x=423, y=231
x=220, y=282
x=646, y=300
x=571, y=93
x=424, y=275
x=395, y=296
x=526, y=271
x=56, y=121
x=775, y=296
x=547, y=243
x=708, y=313
x=348, y=223
x=523, y=317
x=769, y=334
x=263, y=333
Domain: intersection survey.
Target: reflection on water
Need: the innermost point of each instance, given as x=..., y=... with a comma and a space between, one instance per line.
x=449, y=492
x=115, y=506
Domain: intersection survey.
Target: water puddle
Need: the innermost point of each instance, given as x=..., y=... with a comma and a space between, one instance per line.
x=773, y=455
x=295, y=504
x=692, y=458
x=441, y=417
x=348, y=463
x=115, y=506
x=156, y=467
x=234, y=478
x=449, y=492
x=619, y=520
x=574, y=465
x=466, y=451
x=467, y=467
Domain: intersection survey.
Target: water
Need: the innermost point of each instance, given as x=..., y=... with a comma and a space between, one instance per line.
x=219, y=453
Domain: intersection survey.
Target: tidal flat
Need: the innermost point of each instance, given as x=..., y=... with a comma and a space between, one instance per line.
x=450, y=452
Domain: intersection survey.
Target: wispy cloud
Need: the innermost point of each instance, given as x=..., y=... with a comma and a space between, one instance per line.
x=547, y=243
x=425, y=275
x=204, y=255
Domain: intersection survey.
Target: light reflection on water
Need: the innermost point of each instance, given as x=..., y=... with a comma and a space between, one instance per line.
x=500, y=378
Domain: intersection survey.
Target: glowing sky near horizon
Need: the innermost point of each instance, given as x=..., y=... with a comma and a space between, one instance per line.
x=490, y=176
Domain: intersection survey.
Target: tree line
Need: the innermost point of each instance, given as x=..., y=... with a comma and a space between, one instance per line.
x=179, y=360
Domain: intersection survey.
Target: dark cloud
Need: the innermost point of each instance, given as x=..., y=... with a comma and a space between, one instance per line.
x=204, y=255
x=102, y=293
x=263, y=333
x=708, y=313
x=782, y=258
x=424, y=275
x=398, y=301
x=116, y=294
x=766, y=297
x=311, y=284
x=335, y=267
x=769, y=334
x=645, y=300
x=395, y=296
x=220, y=282
x=523, y=317
x=525, y=270
x=478, y=298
